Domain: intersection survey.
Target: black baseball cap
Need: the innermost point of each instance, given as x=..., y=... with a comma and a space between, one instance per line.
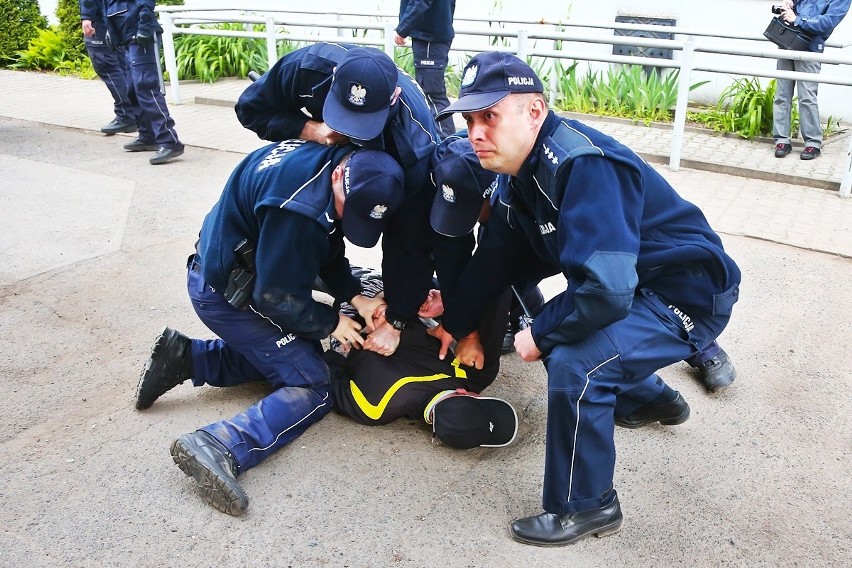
x=372, y=184
x=490, y=77
x=466, y=420
x=359, y=99
x=462, y=185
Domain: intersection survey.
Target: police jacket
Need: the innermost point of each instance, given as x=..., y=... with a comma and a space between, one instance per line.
x=272, y=108
x=279, y=198
x=586, y=206
x=818, y=18
x=124, y=16
x=92, y=11
x=427, y=20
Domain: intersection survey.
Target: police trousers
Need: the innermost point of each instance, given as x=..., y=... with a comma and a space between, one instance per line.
x=612, y=372
x=253, y=348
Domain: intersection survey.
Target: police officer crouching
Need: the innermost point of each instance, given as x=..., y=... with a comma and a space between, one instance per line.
x=279, y=224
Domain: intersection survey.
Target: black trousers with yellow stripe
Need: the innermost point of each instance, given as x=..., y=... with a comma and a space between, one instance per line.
x=374, y=389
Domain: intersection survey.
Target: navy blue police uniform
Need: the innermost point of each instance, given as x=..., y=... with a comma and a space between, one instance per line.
x=278, y=105
x=136, y=24
x=110, y=64
x=429, y=24
x=278, y=198
x=648, y=284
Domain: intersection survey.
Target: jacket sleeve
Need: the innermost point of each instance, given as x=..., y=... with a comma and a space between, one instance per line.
x=823, y=24
x=89, y=10
x=502, y=256
x=270, y=106
x=598, y=243
x=409, y=15
x=290, y=250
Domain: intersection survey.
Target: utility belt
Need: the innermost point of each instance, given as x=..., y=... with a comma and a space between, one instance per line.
x=240, y=286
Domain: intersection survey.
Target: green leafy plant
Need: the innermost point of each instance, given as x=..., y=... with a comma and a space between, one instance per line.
x=69, y=30
x=48, y=52
x=624, y=91
x=20, y=23
x=209, y=58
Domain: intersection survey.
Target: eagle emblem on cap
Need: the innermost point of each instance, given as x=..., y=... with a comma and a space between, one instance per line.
x=357, y=94
x=469, y=75
x=378, y=211
x=448, y=194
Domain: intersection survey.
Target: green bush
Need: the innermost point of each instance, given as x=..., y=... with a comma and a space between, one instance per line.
x=70, y=32
x=47, y=52
x=20, y=23
x=209, y=58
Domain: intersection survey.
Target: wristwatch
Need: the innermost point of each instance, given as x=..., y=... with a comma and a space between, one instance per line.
x=398, y=325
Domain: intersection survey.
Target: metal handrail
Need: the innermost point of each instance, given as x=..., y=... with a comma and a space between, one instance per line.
x=173, y=17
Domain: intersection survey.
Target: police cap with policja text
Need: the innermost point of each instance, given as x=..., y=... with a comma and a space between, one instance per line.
x=489, y=78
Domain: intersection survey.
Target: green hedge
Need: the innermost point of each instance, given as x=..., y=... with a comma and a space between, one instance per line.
x=20, y=23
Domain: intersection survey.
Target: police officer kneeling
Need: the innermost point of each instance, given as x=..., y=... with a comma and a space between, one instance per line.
x=278, y=225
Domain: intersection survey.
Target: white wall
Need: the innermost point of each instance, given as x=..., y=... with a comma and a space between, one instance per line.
x=739, y=16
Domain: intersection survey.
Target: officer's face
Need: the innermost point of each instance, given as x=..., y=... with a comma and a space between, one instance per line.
x=503, y=135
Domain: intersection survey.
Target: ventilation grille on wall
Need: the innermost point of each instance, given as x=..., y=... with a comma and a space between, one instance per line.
x=641, y=51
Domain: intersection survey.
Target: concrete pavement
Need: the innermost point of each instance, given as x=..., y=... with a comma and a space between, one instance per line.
x=92, y=267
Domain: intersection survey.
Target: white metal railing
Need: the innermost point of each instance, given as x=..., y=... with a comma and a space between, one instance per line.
x=524, y=33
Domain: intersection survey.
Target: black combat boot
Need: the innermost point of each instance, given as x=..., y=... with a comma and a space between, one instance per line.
x=208, y=461
x=169, y=365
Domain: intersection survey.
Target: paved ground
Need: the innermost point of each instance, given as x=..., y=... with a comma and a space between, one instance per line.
x=91, y=269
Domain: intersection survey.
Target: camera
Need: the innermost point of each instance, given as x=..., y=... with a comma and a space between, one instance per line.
x=777, y=9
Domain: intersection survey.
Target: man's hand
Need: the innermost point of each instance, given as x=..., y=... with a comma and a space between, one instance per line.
x=445, y=337
x=384, y=340
x=88, y=29
x=315, y=131
x=368, y=308
x=788, y=15
x=470, y=352
x=433, y=306
x=525, y=346
x=348, y=333
x=398, y=39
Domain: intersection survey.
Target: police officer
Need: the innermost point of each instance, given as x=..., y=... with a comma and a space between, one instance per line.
x=278, y=225
x=137, y=28
x=332, y=93
x=110, y=64
x=429, y=24
x=648, y=284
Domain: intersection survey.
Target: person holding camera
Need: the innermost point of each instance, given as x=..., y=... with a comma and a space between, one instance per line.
x=134, y=27
x=817, y=19
x=278, y=226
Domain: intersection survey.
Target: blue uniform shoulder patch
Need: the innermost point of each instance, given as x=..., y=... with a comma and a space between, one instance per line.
x=563, y=146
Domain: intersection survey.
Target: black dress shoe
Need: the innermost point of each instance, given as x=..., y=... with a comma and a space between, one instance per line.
x=169, y=365
x=118, y=125
x=782, y=150
x=548, y=529
x=165, y=154
x=208, y=461
x=718, y=372
x=668, y=414
x=140, y=145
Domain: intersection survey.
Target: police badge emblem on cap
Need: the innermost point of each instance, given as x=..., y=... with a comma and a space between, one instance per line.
x=357, y=94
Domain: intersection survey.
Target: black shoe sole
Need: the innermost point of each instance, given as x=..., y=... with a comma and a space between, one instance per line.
x=215, y=490
x=161, y=344
x=673, y=421
x=157, y=161
x=146, y=148
x=600, y=532
x=126, y=129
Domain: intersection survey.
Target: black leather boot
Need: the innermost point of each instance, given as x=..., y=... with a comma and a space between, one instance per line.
x=169, y=365
x=208, y=461
x=668, y=414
